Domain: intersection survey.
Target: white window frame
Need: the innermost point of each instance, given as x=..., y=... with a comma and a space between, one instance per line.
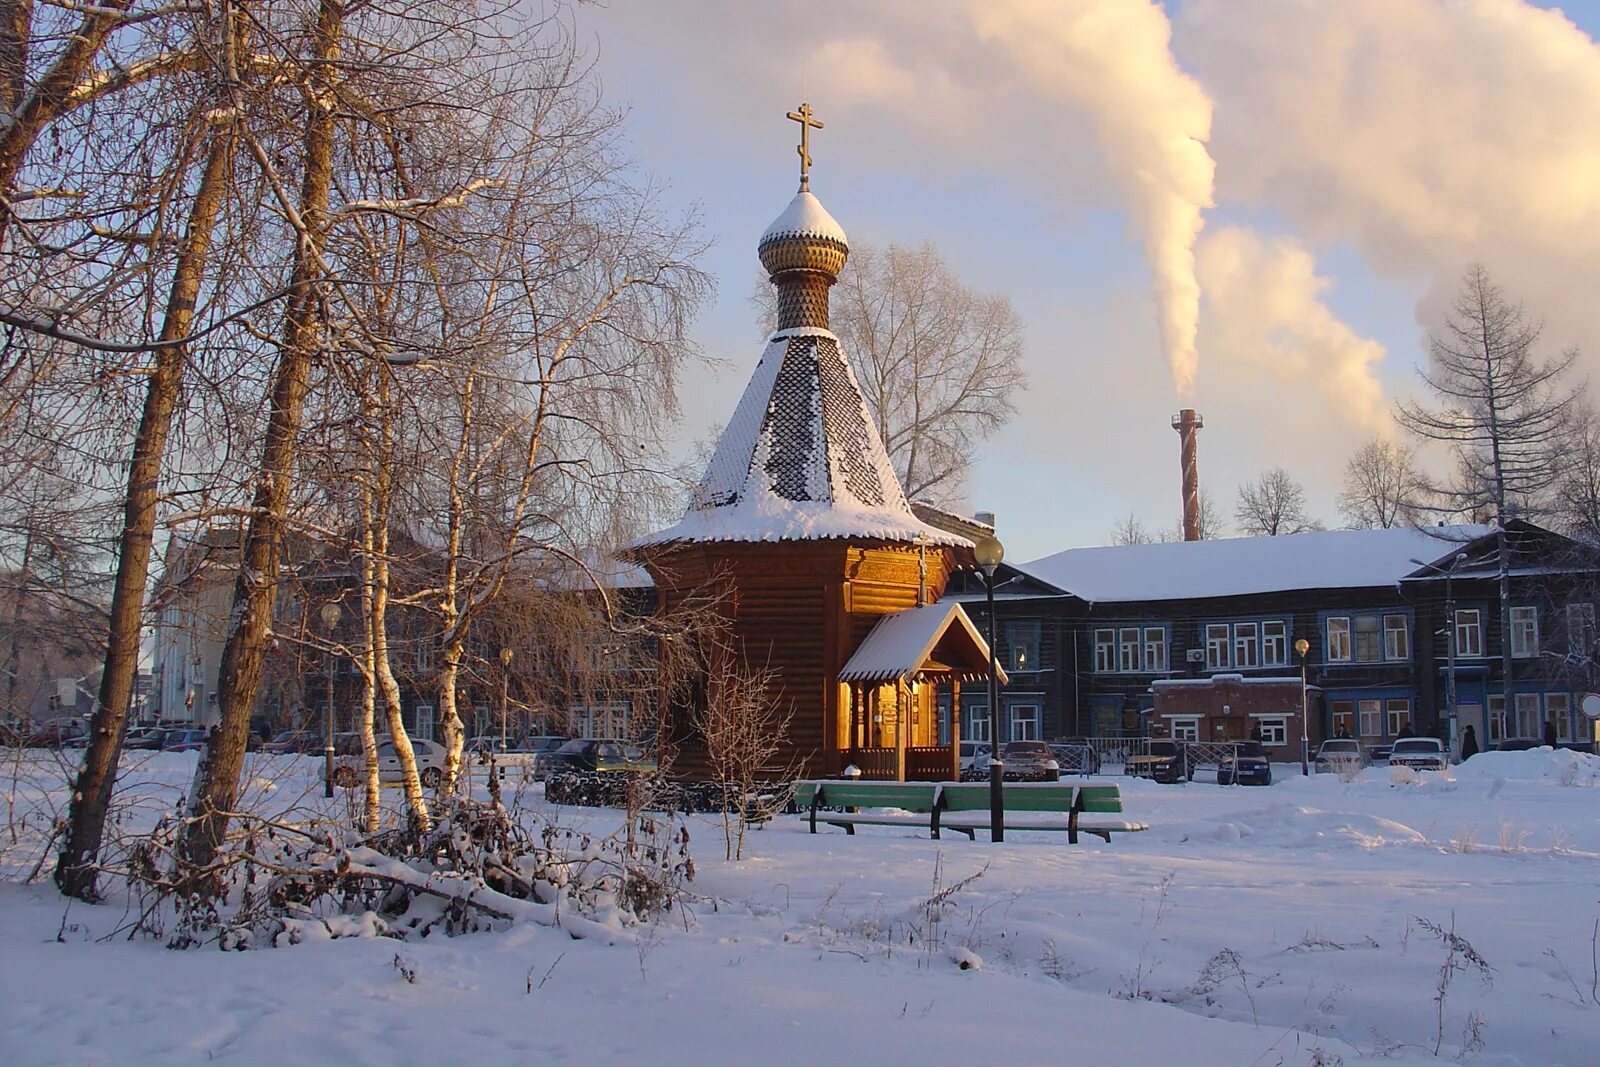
x=975, y=725
x=1357, y=630
x=1246, y=644
x=1524, y=620
x=1530, y=720
x=1185, y=727
x=1337, y=643
x=1274, y=643
x=1022, y=722
x=1155, y=649
x=1396, y=638
x=1397, y=714
x=1369, y=714
x=1469, y=633
x=1105, y=651
x=1274, y=730
x=1128, y=651
x=1218, y=646
x=422, y=657
x=1580, y=629
x=423, y=715
x=1343, y=713
x=1497, y=718
x=1022, y=638
x=1558, y=709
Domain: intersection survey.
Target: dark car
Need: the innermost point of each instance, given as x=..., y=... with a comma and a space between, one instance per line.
x=595, y=755
x=1420, y=754
x=145, y=739
x=1076, y=756
x=1029, y=761
x=290, y=741
x=1167, y=761
x=1518, y=744
x=1246, y=763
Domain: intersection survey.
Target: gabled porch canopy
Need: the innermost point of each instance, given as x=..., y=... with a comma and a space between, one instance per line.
x=937, y=638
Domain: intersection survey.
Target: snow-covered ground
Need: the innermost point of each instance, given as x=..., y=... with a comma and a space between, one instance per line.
x=1288, y=924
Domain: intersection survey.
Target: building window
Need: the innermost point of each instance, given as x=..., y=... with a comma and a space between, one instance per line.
x=976, y=723
x=1186, y=729
x=481, y=723
x=1274, y=731
x=424, y=718
x=1557, y=711
x=1396, y=641
x=1024, y=722
x=1497, y=718
x=1246, y=650
x=1524, y=632
x=1155, y=649
x=422, y=657
x=1527, y=714
x=1368, y=644
x=1343, y=713
x=1216, y=646
x=1399, y=711
x=1274, y=644
x=1105, y=651
x=1580, y=629
x=1371, y=717
x=602, y=720
x=1022, y=645
x=1339, y=639
x=1469, y=632
x=1128, y=644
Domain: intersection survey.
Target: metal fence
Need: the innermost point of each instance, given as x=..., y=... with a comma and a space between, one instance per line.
x=1115, y=751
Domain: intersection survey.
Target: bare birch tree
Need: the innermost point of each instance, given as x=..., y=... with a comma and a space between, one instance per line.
x=1129, y=530
x=1272, y=505
x=1383, y=486
x=743, y=726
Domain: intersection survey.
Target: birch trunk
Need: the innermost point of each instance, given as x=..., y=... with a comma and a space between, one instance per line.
x=91, y=796
x=216, y=784
x=453, y=623
x=371, y=787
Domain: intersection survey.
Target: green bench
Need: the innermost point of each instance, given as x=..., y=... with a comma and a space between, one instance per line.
x=964, y=806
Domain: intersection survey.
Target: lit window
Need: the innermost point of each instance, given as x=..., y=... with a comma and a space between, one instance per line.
x=1155, y=648
x=1246, y=651
x=1022, y=645
x=1216, y=646
x=1339, y=639
x=1557, y=713
x=1186, y=729
x=1105, y=651
x=1399, y=715
x=1274, y=731
x=1371, y=717
x=1128, y=643
x=1396, y=642
x=1469, y=632
x=1580, y=629
x=1524, y=632
x=1274, y=644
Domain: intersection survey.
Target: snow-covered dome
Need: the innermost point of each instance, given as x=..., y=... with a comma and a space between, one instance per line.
x=804, y=237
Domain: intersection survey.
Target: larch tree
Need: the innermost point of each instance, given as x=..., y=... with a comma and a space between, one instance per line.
x=1576, y=500
x=1272, y=505
x=1504, y=415
x=1130, y=531
x=1383, y=486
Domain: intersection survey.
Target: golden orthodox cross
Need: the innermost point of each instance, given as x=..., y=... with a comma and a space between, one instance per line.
x=807, y=124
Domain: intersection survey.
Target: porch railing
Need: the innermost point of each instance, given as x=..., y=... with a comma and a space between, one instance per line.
x=931, y=764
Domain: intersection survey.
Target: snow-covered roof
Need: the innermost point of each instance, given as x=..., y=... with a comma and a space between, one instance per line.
x=901, y=644
x=804, y=217
x=1184, y=570
x=801, y=459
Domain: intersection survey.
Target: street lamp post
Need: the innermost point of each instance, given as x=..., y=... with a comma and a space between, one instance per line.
x=330, y=618
x=989, y=552
x=505, y=689
x=1302, y=646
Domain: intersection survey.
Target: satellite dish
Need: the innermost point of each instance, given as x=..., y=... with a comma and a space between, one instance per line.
x=1590, y=705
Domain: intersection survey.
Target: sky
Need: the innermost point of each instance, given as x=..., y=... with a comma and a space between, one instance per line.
x=1257, y=208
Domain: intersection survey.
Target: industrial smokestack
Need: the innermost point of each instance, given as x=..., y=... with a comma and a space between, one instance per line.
x=1188, y=424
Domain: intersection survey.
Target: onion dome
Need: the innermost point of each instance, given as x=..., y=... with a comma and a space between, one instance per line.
x=805, y=237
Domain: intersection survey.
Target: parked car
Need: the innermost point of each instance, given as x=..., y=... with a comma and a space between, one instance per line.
x=1076, y=756
x=192, y=739
x=1029, y=761
x=347, y=767
x=1245, y=763
x=290, y=741
x=974, y=756
x=1340, y=755
x=540, y=746
x=53, y=734
x=145, y=739
x=1378, y=753
x=596, y=755
x=1420, y=754
x=1518, y=744
x=1167, y=761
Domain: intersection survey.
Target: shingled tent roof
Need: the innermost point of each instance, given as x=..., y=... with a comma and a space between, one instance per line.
x=801, y=459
